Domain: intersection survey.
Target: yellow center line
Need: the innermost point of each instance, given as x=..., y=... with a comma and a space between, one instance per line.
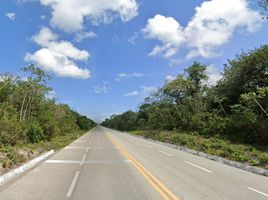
x=165, y=193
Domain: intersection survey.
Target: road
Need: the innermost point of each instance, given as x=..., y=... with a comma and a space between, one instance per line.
x=108, y=165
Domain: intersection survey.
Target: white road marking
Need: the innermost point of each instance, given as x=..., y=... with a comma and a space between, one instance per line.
x=62, y=161
x=86, y=162
x=87, y=149
x=83, y=159
x=74, y=147
x=262, y=193
x=163, y=152
x=197, y=166
x=106, y=161
x=70, y=191
x=147, y=145
x=90, y=142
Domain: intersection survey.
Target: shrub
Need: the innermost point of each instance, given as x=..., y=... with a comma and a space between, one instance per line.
x=35, y=133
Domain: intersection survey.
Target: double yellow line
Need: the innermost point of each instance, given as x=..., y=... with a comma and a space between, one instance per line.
x=152, y=180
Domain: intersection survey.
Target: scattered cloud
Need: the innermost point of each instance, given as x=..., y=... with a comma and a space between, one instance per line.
x=42, y=17
x=58, y=56
x=214, y=74
x=213, y=25
x=80, y=36
x=101, y=89
x=11, y=15
x=133, y=38
x=128, y=75
x=170, y=78
x=51, y=94
x=148, y=90
x=70, y=15
x=134, y=93
x=115, y=39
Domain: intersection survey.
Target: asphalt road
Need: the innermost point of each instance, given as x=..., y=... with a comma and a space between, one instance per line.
x=108, y=165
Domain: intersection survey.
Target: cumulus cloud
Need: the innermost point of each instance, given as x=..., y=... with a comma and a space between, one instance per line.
x=11, y=16
x=213, y=25
x=58, y=56
x=70, y=15
x=84, y=35
x=128, y=75
x=134, y=93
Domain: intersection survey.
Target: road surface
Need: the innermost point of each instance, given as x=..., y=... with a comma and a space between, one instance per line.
x=108, y=165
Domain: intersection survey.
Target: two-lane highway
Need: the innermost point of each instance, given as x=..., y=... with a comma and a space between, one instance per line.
x=107, y=164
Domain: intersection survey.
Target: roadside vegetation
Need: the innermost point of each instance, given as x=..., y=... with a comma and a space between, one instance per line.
x=229, y=118
x=31, y=121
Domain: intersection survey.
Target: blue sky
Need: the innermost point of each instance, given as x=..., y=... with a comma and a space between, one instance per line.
x=106, y=56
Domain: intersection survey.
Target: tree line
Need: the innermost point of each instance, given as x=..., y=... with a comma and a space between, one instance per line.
x=236, y=108
x=28, y=115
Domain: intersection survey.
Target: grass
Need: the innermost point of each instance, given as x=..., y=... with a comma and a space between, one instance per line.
x=12, y=156
x=212, y=145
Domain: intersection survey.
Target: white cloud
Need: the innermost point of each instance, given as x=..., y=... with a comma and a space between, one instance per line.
x=214, y=74
x=51, y=94
x=11, y=16
x=170, y=78
x=58, y=56
x=148, y=90
x=101, y=89
x=129, y=75
x=134, y=93
x=42, y=17
x=212, y=26
x=133, y=38
x=70, y=15
x=84, y=35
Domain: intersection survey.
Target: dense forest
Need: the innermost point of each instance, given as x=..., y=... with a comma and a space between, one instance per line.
x=28, y=115
x=234, y=109
x=31, y=121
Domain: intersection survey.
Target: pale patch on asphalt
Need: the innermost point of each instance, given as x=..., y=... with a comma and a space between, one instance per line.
x=80, y=141
x=165, y=153
x=262, y=193
x=199, y=167
x=147, y=145
x=70, y=191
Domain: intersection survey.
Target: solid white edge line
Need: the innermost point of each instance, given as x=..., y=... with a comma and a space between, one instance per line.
x=262, y=193
x=163, y=152
x=197, y=166
x=71, y=188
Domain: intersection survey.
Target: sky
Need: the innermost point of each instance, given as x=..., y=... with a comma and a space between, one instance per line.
x=106, y=56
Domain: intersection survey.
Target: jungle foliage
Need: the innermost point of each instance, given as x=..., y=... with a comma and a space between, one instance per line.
x=29, y=115
x=235, y=108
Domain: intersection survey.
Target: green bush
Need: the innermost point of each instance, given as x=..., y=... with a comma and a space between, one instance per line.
x=35, y=133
